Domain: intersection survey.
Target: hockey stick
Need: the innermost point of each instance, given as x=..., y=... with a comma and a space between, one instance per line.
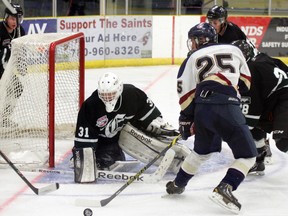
x=38, y=191
x=9, y=6
x=104, y=202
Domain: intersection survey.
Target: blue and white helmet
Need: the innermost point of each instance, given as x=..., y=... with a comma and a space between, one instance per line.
x=203, y=33
x=110, y=88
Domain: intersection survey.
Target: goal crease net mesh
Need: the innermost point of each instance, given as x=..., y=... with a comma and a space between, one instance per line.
x=25, y=101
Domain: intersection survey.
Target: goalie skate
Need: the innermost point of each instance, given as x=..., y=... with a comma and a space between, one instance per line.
x=222, y=196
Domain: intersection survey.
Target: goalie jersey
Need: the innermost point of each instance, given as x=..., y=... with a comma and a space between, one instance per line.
x=95, y=125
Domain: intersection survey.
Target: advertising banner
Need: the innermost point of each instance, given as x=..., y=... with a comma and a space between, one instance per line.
x=270, y=35
x=275, y=39
x=39, y=26
x=112, y=37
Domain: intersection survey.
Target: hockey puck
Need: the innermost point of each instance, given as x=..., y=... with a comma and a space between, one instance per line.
x=88, y=212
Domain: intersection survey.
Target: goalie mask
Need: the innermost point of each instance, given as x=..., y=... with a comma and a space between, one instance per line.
x=18, y=15
x=110, y=88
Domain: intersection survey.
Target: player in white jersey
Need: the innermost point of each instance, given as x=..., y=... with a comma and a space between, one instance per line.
x=209, y=81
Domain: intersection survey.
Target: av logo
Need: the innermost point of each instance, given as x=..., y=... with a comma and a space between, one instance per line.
x=36, y=28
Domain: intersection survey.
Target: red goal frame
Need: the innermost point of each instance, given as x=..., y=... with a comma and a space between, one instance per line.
x=51, y=86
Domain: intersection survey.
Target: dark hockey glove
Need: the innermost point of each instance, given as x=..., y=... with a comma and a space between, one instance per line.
x=184, y=127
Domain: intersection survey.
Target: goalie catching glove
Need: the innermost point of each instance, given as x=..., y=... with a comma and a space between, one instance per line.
x=159, y=127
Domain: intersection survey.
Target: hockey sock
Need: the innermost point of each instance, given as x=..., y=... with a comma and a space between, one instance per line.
x=233, y=177
x=182, y=178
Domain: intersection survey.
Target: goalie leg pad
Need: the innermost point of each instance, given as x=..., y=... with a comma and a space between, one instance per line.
x=84, y=165
x=144, y=148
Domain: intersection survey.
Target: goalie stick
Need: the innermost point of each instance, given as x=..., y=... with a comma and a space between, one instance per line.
x=38, y=191
x=104, y=202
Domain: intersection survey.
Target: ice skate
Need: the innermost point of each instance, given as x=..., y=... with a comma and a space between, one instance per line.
x=222, y=196
x=268, y=158
x=259, y=166
x=258, y=169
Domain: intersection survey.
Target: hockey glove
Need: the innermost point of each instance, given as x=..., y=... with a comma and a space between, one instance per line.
x=184, y=127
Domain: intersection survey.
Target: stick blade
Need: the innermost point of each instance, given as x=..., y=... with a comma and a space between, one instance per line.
x=88, y=203
x=163, y=167
x=48, y=189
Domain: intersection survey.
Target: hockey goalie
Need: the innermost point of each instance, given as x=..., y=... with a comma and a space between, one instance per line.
x=120, y=118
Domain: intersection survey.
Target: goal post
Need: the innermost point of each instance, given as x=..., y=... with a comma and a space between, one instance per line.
x=52, y=70
x=42, y=89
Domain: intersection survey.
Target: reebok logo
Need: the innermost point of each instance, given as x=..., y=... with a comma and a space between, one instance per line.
x=120, y=176
x=140, y=137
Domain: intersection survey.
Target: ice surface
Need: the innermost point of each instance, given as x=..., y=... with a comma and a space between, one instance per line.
x=259, y=195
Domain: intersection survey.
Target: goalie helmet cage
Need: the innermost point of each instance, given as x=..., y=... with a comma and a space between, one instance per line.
x=42, y=89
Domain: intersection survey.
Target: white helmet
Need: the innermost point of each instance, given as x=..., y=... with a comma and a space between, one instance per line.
x=110, y=88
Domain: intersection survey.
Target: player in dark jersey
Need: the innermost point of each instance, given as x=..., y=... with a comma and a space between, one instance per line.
x=227, y=31
x=103, y=116
x=10, y=28
x=210, y=106
x=266, y=104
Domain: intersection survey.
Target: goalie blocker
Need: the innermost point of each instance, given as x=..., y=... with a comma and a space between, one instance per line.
x=136, y=144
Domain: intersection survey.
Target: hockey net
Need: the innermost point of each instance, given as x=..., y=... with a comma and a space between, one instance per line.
x=41, y=90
